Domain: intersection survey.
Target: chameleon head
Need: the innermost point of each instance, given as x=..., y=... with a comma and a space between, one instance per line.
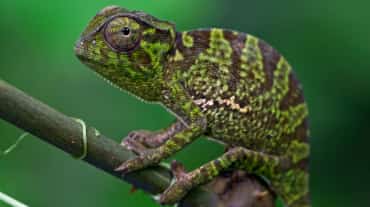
x=128, y=48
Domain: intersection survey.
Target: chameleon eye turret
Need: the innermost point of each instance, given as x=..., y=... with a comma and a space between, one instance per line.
x=227, y=85
x=122, y=34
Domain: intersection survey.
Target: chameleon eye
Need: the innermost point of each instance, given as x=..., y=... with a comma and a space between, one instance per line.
x=126, y=31
x=122, y=34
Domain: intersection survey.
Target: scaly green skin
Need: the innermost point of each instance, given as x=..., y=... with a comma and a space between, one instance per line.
x=229, y=86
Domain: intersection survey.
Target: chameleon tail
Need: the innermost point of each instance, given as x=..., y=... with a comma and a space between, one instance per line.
x=293, y=187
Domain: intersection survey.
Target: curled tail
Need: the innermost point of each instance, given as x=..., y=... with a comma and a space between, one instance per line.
x=293, y=187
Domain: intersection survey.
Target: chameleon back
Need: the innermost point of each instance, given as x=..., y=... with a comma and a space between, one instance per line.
x=251, y=98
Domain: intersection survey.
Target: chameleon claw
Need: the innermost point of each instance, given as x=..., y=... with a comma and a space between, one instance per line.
x=179, y=187
x=175, y=192
x=260, y=195
x=136, y=163
x=156, y=197
x=135, y=142
x=122, y=168
x=178, y=169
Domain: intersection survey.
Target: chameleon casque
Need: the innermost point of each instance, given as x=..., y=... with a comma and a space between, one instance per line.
x=222, y=84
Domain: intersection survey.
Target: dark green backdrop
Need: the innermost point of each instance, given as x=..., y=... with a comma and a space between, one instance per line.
x=327, y=42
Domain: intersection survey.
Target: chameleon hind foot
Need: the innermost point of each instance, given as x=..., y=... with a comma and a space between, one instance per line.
x=177, y=169
x=252, y=161
x=180, y=185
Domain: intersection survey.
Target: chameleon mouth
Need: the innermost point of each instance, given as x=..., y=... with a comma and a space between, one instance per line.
x=79, y=49
x=80, y=52
x=94, y=65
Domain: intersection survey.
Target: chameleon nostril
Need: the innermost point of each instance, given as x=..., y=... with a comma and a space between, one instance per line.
x=79, y=43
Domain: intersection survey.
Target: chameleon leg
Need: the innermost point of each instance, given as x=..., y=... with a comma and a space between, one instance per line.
x=141, y=140
x=238, y=157
x=154, y=156
x=194, y=122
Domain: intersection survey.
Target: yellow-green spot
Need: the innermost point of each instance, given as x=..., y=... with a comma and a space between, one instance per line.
x=251, y=60
x=217, y=34
x=281, y=75
x=112, y=58
x=178, y=56
x=295, y=185
x=128, y=68
x=297, y=113
x=223, y=163
x=155, y=49
x=225, y=87
x=171, y=145
x=243, y=74
x=187, y=106
x=298, y=151
x=187, y=40
x=97, y=54
x=134, y=25
x=149, y=31
x=213, y=169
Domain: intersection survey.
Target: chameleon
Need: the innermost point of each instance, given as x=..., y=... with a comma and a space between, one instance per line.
x=229, y=86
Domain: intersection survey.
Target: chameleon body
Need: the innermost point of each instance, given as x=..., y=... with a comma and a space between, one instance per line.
x=223, y=84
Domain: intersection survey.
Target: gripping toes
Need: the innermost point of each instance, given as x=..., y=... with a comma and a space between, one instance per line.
x=141, y=140
x=145, y=159
x=177, y=190
x=136, y=141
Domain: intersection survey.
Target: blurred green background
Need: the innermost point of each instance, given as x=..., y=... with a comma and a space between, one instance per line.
x=327, y=42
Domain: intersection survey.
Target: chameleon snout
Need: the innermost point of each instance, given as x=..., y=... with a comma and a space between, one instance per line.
x=79, y=48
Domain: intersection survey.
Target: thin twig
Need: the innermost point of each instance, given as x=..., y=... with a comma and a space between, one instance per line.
x=11, y=201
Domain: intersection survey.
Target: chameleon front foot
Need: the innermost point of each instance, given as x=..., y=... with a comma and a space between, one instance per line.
x=145, y=159
x=144, y=144
x=141, y=140
x=137, y=141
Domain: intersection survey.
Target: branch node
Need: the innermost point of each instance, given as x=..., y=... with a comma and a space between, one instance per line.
x=84, y=139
